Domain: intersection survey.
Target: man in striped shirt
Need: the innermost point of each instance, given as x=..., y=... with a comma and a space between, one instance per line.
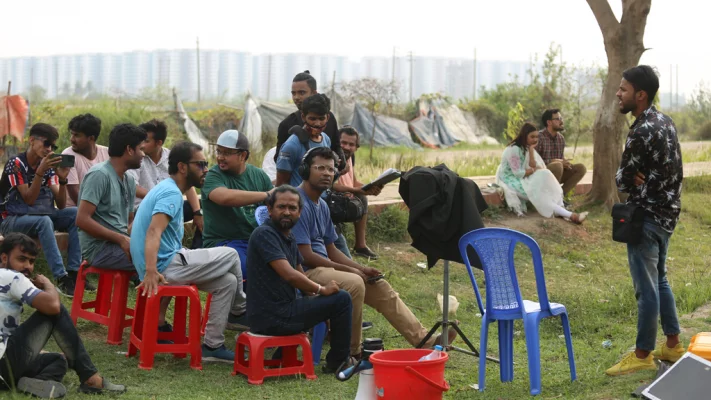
x=33, y=179
x=551, y=146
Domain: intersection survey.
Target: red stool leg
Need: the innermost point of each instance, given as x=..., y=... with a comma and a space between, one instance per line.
x=205, y=315
x=256, y=361
x=194, y=335
x=78, y=294
x=103, y=294
x=306, y=354
x=150, y=333
x=179, y=323
x=118, y=308
x=289, y=357
x=137, y=326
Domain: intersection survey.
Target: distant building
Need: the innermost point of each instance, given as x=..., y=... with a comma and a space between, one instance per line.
x=228, y=74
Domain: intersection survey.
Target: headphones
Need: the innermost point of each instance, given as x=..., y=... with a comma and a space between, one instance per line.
x=304, y=169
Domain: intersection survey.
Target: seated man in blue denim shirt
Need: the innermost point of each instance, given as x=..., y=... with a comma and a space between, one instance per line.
x=26, y=180
x=274, y=265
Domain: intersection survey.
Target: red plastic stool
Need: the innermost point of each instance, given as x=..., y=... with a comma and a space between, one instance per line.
x=253, y=368
x=108, y=309
x=145, y=335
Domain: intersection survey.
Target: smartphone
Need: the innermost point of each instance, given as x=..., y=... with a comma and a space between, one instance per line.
x=372, y=279
x=67, y=160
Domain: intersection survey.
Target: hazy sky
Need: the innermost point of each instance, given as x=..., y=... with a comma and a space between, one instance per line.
x=677, y=30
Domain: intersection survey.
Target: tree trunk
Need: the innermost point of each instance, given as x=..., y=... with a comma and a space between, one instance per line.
x=624, y=47
x=372, y=135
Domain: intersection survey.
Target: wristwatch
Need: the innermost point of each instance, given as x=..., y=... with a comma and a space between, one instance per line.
x=197, y=213
x=63, y=182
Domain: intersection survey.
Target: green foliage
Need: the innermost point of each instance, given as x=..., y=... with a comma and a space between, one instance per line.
x=705, y=131
x=213, y=121
x=389, y=226
x=514, y=122
x=111, y=112
x=573, y=89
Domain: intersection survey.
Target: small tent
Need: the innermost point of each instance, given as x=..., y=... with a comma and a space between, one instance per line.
x=262, y=118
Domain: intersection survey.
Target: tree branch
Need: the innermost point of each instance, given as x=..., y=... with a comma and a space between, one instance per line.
x=603, y=14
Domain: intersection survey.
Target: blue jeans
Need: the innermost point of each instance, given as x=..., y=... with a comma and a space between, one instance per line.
x=43, y=227
x=241, y=247
x=654, y=296
x=342, y=245
x=305, y=313
x=23, y=358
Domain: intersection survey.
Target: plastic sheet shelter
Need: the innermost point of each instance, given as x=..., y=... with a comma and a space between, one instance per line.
x=388, y=131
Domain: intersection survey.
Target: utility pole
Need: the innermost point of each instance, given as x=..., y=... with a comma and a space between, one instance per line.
x=677, y=86
x=393, y=72
x=474, y=77
x=269, y=75
x=411, y=73
x=671, y=85
x=198, y=68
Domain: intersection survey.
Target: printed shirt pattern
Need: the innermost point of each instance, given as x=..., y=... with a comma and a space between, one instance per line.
x=15, y=289
x=18, y=172
x=652, y=148
x=550, y=148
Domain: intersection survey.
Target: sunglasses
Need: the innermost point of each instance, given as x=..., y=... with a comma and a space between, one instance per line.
x=201, y=164
x=48, y=143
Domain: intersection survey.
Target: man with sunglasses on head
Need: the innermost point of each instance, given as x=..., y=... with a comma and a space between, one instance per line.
x=31, y=185
x=156, y=246
x=154, y=169
x=233, y=189
x=106, y=201
x=551, y=146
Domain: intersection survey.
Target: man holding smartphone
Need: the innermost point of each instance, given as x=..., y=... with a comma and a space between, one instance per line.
x=31, y=185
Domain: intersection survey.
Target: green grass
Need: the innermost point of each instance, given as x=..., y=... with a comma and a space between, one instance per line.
x=598, y=294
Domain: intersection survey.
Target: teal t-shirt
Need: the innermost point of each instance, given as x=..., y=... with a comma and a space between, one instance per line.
x=113, y=198
x=167, y=199
x=231, y=223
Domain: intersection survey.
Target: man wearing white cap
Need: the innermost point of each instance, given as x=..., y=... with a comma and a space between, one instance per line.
x=232, y=191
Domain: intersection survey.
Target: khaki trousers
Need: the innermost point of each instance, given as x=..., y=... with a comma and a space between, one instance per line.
x=379, y=295
x=568, y=177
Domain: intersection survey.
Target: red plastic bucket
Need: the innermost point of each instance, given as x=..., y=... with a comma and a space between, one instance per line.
x=400, y=375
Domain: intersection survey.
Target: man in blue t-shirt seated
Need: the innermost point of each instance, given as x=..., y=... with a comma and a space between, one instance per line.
x=323, y=262
x=315, y=114
x=274, y=267
x=156, y=249
x=23, y=364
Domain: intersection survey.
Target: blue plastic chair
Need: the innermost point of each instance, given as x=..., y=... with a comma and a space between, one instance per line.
x=495, y=247
x=261, y=214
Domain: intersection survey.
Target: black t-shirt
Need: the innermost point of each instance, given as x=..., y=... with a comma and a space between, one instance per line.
x=295, y=119
x=269, y=295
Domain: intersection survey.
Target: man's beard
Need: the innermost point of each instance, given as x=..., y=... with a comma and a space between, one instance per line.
x=285, y=223
x=195, y=180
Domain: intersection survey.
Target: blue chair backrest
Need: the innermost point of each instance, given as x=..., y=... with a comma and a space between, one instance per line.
x=495, y=247
x=261, y=214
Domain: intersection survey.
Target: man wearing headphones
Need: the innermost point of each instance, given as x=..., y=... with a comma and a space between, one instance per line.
x=323, y=262
x=232, y=190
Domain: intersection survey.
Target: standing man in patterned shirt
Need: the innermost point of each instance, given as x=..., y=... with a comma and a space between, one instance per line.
x=551, y=146
x=651, y=172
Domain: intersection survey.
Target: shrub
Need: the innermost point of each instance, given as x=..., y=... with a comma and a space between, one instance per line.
x=704, y=132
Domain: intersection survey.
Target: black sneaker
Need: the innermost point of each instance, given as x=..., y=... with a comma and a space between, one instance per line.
x=366, y=325
x=335, y=369
x=237, y=322
x=165, y=328
x=365, y=252
x=65, y=286
x=88, y=285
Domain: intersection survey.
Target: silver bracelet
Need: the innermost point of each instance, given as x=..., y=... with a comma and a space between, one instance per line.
x=318, y=291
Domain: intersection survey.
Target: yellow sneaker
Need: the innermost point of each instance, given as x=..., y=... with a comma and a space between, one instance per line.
x=630, y=363
x=666, y=354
